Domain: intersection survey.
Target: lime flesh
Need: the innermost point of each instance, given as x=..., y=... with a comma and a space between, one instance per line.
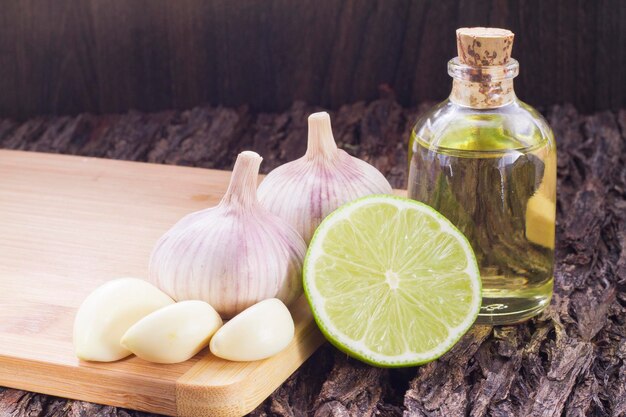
x=391, y=282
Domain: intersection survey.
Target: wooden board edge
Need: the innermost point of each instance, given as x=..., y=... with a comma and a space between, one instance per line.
x=194, y=398
x=13, y=156
x=96, y=385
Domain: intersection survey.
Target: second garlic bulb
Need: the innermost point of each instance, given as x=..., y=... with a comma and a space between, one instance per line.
x=305, y=191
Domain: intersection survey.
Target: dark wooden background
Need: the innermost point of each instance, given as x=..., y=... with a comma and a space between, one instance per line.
x=99, y=56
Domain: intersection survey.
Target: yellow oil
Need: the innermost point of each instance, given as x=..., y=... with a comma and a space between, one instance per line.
x=498, y=186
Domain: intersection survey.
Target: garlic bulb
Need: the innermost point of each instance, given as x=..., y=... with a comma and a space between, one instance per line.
x=308, y=189
x=232, y=255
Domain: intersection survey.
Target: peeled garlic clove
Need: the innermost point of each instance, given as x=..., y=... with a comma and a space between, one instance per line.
x=232, y=255
x=256, y=333
x=174, y=333
x=305, y=191
x=106, y=314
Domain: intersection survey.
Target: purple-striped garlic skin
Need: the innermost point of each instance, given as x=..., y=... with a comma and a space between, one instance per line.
x=303, y=192
x=232, y=255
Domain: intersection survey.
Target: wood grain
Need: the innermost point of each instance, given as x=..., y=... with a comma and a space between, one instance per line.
x=72, y=56
x=72, y=223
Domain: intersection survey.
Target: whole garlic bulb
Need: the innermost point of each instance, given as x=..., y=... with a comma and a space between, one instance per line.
x=306, y=190
x=232, y=255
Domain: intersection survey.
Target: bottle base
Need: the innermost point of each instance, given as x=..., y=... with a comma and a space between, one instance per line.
x=502, y=307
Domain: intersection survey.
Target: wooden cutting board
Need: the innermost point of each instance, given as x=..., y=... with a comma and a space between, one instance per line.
x=67, y=225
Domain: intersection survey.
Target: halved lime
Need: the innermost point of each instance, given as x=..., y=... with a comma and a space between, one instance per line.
x=391, y=281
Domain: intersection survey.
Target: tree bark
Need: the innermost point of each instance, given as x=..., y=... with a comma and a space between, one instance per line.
x=568, y=361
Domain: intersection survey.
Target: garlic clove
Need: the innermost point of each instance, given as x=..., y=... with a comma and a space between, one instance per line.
x=232, y=255
x=303, y=192
x=106, y=314
x=256, y=333
x=174, y=333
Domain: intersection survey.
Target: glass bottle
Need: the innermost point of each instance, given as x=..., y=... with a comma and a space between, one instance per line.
x=487, y=161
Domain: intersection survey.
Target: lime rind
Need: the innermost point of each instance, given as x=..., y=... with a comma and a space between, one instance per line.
x=357, y=348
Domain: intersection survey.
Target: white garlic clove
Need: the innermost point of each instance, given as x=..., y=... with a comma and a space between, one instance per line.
x=232, y=255
x=256, y=333
x=303, y=192
x=174, y=333
x=106, y=314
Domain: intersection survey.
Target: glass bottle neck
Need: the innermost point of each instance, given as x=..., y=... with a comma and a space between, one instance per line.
x=482, y=87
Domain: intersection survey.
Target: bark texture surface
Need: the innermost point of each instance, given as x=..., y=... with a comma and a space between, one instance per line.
x=569, y=361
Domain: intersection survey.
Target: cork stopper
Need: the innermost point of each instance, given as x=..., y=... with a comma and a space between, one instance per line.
x=484, y=47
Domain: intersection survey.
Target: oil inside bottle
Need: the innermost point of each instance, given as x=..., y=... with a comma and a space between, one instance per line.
x=496, y=181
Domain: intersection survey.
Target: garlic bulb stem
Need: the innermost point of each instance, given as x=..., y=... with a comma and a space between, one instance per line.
x=321, y=142
x=241, y=191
